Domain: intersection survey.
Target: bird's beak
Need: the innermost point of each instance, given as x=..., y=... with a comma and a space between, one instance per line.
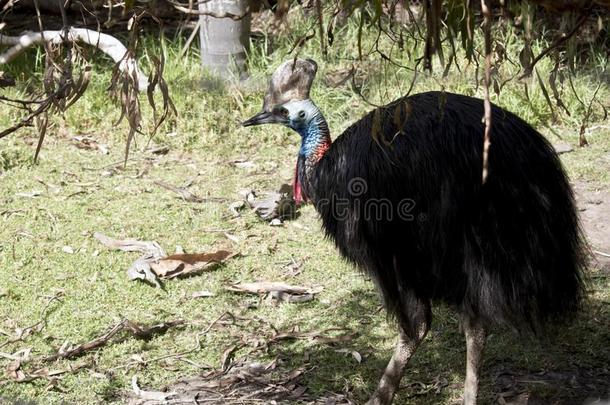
x=263, y=117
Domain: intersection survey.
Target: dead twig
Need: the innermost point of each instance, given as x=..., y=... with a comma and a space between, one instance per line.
x=38, y=326
x=582, y=140
x=134, y=329
x=186, y=195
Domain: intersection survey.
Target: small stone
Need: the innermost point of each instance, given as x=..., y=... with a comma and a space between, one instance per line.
x=563, y=147
x=276, y=222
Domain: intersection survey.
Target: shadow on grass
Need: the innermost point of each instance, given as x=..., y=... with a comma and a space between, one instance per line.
x=570, y=366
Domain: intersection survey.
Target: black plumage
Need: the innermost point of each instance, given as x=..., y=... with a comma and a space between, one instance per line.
x=401, y=194
x=508, y=251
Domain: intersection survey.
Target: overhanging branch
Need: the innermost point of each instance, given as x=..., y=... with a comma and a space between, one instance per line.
x=104, y=42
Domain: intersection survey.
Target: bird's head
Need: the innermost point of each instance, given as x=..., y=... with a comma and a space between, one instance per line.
x=287, y=100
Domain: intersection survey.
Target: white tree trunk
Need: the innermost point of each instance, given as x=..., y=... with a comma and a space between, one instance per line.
x=224, y=41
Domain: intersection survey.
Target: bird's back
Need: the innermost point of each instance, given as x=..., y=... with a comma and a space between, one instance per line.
x=400, y=192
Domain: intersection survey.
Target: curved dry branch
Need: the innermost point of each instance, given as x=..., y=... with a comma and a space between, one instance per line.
x=104, y=42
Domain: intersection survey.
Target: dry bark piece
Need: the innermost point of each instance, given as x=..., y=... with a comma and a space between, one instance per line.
x=275, y=204
x=131, y=245
x=31, y=194
x=272, y=286
x=149, y=395
x=290, y=298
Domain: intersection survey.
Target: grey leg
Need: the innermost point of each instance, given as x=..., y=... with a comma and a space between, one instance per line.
x=475, y=343
x=390, y=381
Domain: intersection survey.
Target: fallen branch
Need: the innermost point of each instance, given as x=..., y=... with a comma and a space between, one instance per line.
x=134, y=329
x=104, y=42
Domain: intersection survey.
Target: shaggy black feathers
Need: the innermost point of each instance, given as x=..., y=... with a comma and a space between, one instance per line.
x=400, y=193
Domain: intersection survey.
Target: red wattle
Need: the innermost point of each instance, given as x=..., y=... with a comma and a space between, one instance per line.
x=296, y=189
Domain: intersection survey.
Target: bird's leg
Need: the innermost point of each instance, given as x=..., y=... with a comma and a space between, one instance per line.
x=475, y=343
x=392, y=375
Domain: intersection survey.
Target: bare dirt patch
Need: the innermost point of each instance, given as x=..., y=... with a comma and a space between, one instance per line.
x=594, y=206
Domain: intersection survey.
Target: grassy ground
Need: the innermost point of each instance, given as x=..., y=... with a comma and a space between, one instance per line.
x=52, y=268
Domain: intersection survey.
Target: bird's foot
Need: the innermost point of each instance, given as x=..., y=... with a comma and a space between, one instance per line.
x=381, y=397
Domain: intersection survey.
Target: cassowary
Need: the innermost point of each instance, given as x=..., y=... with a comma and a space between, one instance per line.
x=401, y=194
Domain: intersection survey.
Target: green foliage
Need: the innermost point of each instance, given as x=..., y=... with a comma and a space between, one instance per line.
x=85, y=191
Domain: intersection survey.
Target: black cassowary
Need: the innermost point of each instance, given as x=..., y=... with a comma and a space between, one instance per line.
x=400, y=193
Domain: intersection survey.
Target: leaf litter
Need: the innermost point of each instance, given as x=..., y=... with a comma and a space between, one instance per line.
x=245, y=382
x=118, y=333
x=155, y=264
x=271, y=205
x=240, y=380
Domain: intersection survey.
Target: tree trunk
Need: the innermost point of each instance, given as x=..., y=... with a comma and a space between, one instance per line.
x=224, y=35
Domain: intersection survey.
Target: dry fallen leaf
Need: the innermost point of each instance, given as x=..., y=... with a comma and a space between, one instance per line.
x=156, y=264
x=88, y=143
x=234, y=207
x=14, y=371
x=291, y=298
x=357, y=356
x=227, y=358
x=183, y=264
x=243, y=164
x=202, y=294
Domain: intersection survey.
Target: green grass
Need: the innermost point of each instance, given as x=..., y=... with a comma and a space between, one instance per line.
x=84, y=191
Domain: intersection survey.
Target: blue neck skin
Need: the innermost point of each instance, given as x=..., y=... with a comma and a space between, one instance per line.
x=313, y=134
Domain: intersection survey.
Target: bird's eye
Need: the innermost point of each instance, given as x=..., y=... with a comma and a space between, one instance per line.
x=301, y=114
